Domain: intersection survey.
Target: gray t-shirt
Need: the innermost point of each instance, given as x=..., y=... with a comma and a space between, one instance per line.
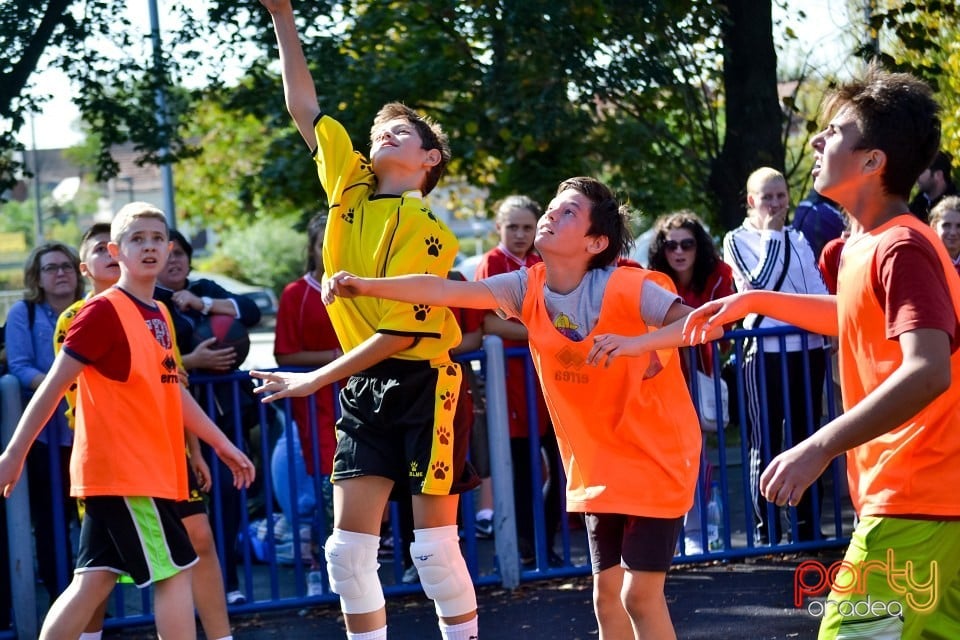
x=575, y=314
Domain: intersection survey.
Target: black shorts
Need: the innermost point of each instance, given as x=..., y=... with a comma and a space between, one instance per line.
x=632, y=542
x=397, y=422
x=194, y=504
x=134, y=535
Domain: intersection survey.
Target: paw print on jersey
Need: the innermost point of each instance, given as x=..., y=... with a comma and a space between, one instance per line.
x=433, y=246
x=443, y=435
x=451, y=370
x=420, y=311
x=61, y=336
x=447, y=397
x=366, y=165
x=347, y=216
x=440, y=469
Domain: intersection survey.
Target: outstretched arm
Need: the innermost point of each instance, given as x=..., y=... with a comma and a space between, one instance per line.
x=608, y=346
x=425, y=289
x=298, y=88
x=286, y=384
x=817, y=314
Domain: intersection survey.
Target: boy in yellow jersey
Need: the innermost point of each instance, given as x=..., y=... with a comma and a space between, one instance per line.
x=397, y=408
x=897, y=315
x=128, y=460
x=625, y=419
x=103, y=271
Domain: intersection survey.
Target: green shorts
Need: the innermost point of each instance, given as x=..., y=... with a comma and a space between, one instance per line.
x=900, y=578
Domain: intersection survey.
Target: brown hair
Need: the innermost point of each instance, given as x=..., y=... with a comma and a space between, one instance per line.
x=897, y=114
x=431, y=136
x=608, y=218
x=31, y=270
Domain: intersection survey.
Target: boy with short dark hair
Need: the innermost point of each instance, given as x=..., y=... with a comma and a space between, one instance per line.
x=397, y=409
x=128, y=460
x=897, y=315
x=624, y=419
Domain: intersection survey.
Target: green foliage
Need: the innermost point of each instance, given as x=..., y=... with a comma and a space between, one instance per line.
x=268, y=252
x=924, y=39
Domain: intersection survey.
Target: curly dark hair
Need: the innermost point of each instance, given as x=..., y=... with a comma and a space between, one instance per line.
x=706, y=259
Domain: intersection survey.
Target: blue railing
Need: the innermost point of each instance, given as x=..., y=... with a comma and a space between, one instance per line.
x=277, y=579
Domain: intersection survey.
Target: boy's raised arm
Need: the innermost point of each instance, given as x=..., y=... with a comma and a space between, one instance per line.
x=298, y=88
x=817, y=314
x=423, y=289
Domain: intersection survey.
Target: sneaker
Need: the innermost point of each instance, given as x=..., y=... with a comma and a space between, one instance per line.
x=411, y=575
x=484, y=527
x=236, y=597
x=692, y=546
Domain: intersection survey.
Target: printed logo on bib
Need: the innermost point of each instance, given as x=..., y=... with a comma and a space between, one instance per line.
x=572, y=360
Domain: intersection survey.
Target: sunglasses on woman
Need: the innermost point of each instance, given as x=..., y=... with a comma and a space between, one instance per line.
x=685, y=245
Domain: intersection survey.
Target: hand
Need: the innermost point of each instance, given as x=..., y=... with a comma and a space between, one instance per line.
x=343, y=285
x=790, y=473
x=713, y=314
x=608, y=346
x=201, y=472
x=186, y=300
x=203, y=357
x=769, y=218
x=284, y=384
x=10, y=472
x=239, y=464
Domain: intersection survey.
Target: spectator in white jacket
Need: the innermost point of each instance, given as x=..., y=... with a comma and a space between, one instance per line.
x=766, y=253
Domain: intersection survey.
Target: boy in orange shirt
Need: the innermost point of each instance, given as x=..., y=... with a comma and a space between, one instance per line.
x=623, y=419
x=897, y=315
x=128, y=460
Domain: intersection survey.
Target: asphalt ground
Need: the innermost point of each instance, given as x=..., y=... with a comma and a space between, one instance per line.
x=750, y=599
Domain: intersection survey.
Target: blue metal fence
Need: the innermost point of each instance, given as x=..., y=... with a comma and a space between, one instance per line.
x=275, y=555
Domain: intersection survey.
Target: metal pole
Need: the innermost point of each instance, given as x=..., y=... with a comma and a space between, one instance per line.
x=38, y=213
x=166, y=172
x=501, y=463
x=23, y=585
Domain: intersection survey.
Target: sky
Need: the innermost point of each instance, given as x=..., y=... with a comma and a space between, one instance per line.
x=56, y=127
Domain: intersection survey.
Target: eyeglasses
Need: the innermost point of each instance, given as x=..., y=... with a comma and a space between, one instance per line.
x=684, y=245
x=65, y=267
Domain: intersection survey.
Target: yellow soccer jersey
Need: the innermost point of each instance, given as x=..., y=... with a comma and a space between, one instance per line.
x=377, y=236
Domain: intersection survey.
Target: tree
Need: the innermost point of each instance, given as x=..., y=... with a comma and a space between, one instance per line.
x=754, y=118
x=671, y=101
x=921, y=37
x=114, y=70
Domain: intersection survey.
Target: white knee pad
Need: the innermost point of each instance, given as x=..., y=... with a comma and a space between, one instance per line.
x=352, y=567
x=443, y=571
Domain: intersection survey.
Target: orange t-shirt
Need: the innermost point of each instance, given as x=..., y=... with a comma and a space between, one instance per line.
x=129, y=437
x=629, y=445
x=914, y=469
